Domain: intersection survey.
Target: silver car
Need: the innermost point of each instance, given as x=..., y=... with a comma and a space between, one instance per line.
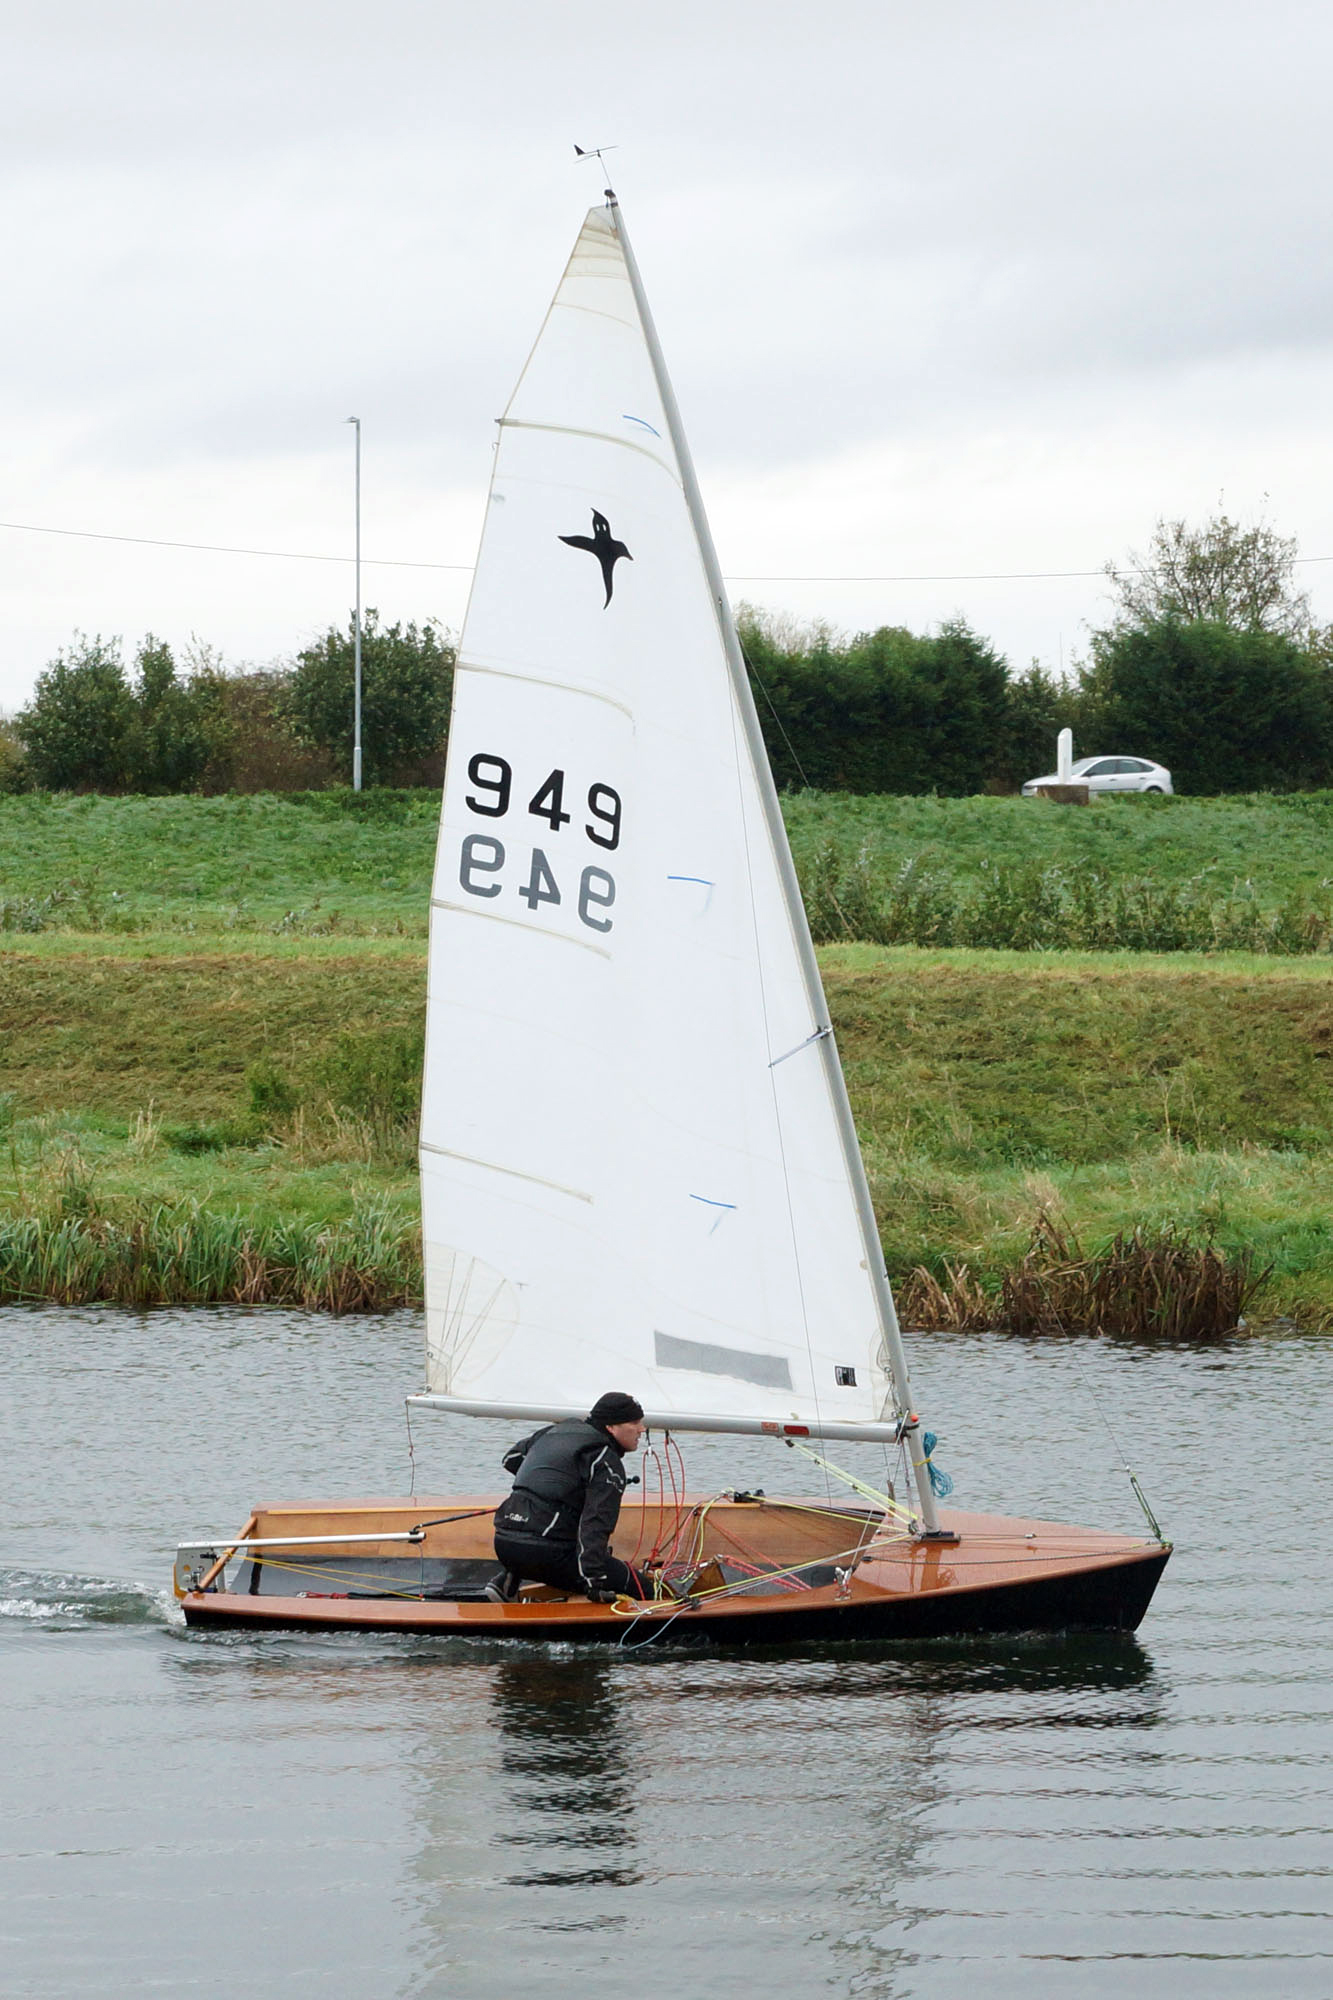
x=1110, y=774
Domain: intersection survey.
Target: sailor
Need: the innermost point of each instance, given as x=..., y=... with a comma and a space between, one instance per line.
x=556, y=1525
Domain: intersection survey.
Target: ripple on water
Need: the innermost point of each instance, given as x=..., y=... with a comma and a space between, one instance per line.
x=63, y=1602
x=441, y=1819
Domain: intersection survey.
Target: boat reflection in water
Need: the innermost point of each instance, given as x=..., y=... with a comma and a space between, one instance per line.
x=570, y=1781
x=726, y=1812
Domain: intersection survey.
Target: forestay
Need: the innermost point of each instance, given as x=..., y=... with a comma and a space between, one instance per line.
x=632, y=1175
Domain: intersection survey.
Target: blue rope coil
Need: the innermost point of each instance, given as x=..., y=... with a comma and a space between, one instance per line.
x=941, y=1485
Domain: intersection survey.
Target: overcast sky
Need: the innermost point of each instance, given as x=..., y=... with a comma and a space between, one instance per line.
x=971, y=289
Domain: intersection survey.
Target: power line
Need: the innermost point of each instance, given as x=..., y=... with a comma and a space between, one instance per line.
x=465, y=569
x=225, y=549
x=957, y=576
x=967, y=576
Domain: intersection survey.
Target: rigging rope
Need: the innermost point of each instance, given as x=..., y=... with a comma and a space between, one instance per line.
x=382, y=1589
x=892, y=1507
x=1120, y=1453
x=411, y=1450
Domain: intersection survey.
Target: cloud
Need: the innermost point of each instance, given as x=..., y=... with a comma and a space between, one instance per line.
x=996, y=285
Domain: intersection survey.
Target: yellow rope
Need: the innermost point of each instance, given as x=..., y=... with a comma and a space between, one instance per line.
x=825, y=1513
x=335, y=1576
x=627, y=1605
x=858, y=1485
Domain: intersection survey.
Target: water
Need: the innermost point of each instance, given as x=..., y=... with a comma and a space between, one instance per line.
x=236, y=1815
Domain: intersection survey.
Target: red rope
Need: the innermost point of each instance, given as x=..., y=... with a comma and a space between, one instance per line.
x=663, y=1550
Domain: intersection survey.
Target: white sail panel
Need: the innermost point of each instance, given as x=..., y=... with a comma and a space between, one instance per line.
x=632, y=1176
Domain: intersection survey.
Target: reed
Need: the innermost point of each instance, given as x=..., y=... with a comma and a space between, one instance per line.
x=72, y=1241
x=1143, y=1286
x=861, y=897
x=958, y=1303
x=184, y=1254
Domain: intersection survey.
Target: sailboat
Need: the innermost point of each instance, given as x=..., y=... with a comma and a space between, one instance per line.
x=639, y=1169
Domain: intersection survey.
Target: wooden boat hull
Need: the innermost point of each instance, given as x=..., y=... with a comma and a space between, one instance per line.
x=1000, y=1575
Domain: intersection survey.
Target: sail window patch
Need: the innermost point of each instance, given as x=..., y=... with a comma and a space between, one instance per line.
x=769, y=1371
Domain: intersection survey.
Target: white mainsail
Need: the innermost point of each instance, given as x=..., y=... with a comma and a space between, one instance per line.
x=632, y=1171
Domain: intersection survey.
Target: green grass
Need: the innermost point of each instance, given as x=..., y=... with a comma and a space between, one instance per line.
x=1109, y=1092
x=319, y=1211
x=981, y=1059
x=113, y=1032
x=210, y=1019
x=1279, y=845
x=261, y=1082
x=1147, y=874
x=296, y=863
x=1159, y=873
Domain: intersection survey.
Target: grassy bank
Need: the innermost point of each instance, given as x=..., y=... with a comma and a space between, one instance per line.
x=1137, y=873
x=1281, y=844
x=300, y=863
x=115, y=1032
x=994, y=1091
x=266, y=1085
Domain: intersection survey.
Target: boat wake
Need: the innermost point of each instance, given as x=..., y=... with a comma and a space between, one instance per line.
x=59, y=1601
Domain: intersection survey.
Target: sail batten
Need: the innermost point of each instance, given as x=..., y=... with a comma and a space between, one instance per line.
x=601, y=789
x=603, y=437
x=496, y=1167
x=538, y=680
x=503, y=917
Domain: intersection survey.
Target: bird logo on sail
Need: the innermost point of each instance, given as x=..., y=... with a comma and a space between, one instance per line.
x=601, y=543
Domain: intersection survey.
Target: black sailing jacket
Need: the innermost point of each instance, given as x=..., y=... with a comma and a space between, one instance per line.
x=568, y=1484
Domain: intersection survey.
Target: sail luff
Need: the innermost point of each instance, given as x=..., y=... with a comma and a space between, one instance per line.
x=772, y=810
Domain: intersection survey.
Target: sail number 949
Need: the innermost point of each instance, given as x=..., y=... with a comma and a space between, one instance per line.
x=483, y=855
x=493, y=780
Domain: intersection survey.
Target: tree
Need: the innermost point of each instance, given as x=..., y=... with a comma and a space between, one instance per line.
x=406, y=683
x=887, y=711
x=794, y=671
x=88, y=729
x=1229, y=575
x=15, y=775
x=78, y=728
x=1037, y=708
x=255, y=743
x=1227, y=710
x=938, y=708
x=176, y=722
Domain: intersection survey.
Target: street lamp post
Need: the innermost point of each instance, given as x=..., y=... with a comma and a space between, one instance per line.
x=356, y=625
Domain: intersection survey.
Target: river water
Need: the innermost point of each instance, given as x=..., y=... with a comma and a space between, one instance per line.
x=229, y=1815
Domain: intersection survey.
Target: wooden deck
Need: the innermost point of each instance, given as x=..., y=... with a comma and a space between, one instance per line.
x=1001, y=1574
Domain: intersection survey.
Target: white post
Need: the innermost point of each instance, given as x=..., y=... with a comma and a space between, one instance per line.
x=1064, y=757
x=356, y=626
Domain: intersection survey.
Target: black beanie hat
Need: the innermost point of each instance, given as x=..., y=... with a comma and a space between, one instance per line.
x=615, y=1408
